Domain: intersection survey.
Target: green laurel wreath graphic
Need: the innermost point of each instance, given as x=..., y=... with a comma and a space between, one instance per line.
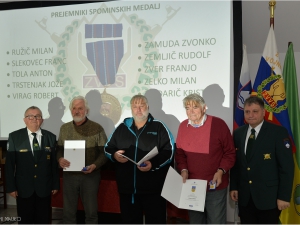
x=70, y=90
x=260, y=90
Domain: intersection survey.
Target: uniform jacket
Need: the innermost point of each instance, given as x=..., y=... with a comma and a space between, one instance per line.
x=129, y=178
x=25, y=175
x=268, y=175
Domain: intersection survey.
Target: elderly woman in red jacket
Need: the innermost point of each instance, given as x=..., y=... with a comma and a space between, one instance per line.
x=205, y=150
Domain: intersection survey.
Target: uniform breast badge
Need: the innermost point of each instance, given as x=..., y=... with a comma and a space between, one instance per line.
x=267, y=156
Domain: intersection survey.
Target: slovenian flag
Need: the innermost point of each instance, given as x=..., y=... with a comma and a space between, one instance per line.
x=269, y=86
x=244, y=90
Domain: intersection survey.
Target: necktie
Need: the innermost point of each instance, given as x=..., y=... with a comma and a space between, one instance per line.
x=250, y=144
x=35, y=146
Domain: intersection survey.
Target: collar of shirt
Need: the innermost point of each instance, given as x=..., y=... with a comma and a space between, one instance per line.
x=198, y=125
x=257, y=129
x=38, y=133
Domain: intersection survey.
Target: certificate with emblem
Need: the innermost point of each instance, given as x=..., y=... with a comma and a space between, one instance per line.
x=189, y=195
x=74, y=152
x=147, y=157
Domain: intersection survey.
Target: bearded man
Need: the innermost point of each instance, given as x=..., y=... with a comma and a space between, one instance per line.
x=85, y=183
x=140, y=186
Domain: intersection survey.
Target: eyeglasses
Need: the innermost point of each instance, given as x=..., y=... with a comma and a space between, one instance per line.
x=38, y=117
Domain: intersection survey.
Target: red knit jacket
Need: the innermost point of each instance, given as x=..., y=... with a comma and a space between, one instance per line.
x=221, y=151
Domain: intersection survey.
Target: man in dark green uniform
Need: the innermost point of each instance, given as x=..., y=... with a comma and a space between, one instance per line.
x=31, y=169
x=262, y=178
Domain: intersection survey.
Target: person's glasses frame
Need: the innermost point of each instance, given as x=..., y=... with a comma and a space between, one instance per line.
x=31, y=117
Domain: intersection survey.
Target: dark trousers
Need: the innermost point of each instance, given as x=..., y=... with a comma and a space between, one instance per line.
x=86, y=186
x=34, y=210
x=133, y=207
x=214, y=210
x=252, y=215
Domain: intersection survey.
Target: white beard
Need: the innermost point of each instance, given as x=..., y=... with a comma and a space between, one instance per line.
x=78, y=119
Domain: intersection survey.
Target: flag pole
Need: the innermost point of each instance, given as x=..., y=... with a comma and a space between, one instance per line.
x=272, y=4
